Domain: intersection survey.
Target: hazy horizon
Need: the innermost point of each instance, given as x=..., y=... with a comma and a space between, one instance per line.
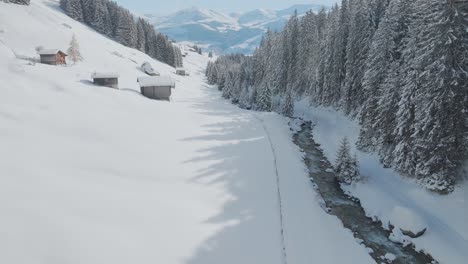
x=168, y=7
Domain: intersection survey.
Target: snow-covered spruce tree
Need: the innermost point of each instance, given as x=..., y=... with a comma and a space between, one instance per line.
x=398, y=15
x=113, y=10
x=287, y=108
x=308, y=51
x=319, y=57
x=178, y=60
x=100, y=19
x=264, y=98
x=260, y=65
x=360, y=34
x=385, y=56
x=377, y=9
x=160, y=47
x=441, y=125
x=73, y=9
x=19, y=2
x=346, y=166
x=341, y=44
x=229, y=85
x=244, y=98
x=126, y=31
x=292, y=43
x=89, y=7
x=74, y=50
x=276, y=73
x=150, y=36
x=170, y=54
x=210, y=73
x=221, y=80
x=331, y=86
x=141, y=35
x=237, y=76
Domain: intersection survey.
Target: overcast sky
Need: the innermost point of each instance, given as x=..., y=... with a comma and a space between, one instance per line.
x=163, y=7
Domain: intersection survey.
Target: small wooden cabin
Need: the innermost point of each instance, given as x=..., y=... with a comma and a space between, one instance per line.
x=53, y=57
x=110, y=80
x=156, y=87
x=181, y=71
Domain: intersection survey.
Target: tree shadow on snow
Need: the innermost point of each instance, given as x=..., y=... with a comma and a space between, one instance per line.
x=248, y=178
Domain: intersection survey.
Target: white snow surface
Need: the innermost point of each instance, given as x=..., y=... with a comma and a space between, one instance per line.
x=103, y=75
x=49, y=51
x=90, y=174
x=392, y=198
x=148, y=81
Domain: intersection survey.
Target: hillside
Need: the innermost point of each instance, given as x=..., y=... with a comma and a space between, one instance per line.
x=95, y=175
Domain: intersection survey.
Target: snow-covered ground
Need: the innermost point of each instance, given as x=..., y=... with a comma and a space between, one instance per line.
x=391, y=198
x=95, y=175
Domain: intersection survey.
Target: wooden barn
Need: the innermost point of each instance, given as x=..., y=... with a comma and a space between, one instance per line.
x=156, y=87
x=53, y=57
x=181, y=71
x=106, y=79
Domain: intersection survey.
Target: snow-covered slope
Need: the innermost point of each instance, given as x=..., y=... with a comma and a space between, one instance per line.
x=95, y=175
x=226, y=33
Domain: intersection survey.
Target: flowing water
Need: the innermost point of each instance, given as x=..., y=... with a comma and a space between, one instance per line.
x=349, y=209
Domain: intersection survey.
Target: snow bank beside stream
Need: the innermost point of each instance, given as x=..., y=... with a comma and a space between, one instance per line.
x=394, y=199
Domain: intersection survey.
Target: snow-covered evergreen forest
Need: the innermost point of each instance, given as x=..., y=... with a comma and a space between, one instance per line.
x=20, y=2
x=398, y=66
x=116, y=22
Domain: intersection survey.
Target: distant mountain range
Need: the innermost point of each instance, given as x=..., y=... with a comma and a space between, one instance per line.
x=226, y=33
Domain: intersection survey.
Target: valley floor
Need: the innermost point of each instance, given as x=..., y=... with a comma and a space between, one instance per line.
x=95, y=175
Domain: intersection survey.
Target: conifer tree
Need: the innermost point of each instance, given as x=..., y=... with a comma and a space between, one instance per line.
x=360, y=33
x=380, y=78
x=288, y=105
x=441, y=125
x=73, y=9
x=20, y=2
x=74, y=50
x=264, y=98
x=346, y=166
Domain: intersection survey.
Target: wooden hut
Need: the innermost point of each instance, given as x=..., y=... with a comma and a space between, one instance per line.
x=181, y=71
x=156, y=87
x=53, y=57
x=106, y=79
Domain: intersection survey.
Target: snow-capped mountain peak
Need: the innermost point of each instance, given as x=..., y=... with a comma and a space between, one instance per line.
x=256, y=16
x=213, y=19
x=226, y=32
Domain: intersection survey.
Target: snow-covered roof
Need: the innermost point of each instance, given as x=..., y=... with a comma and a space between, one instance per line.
x=50, y=52
x=148, y=81
x=105, y=75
